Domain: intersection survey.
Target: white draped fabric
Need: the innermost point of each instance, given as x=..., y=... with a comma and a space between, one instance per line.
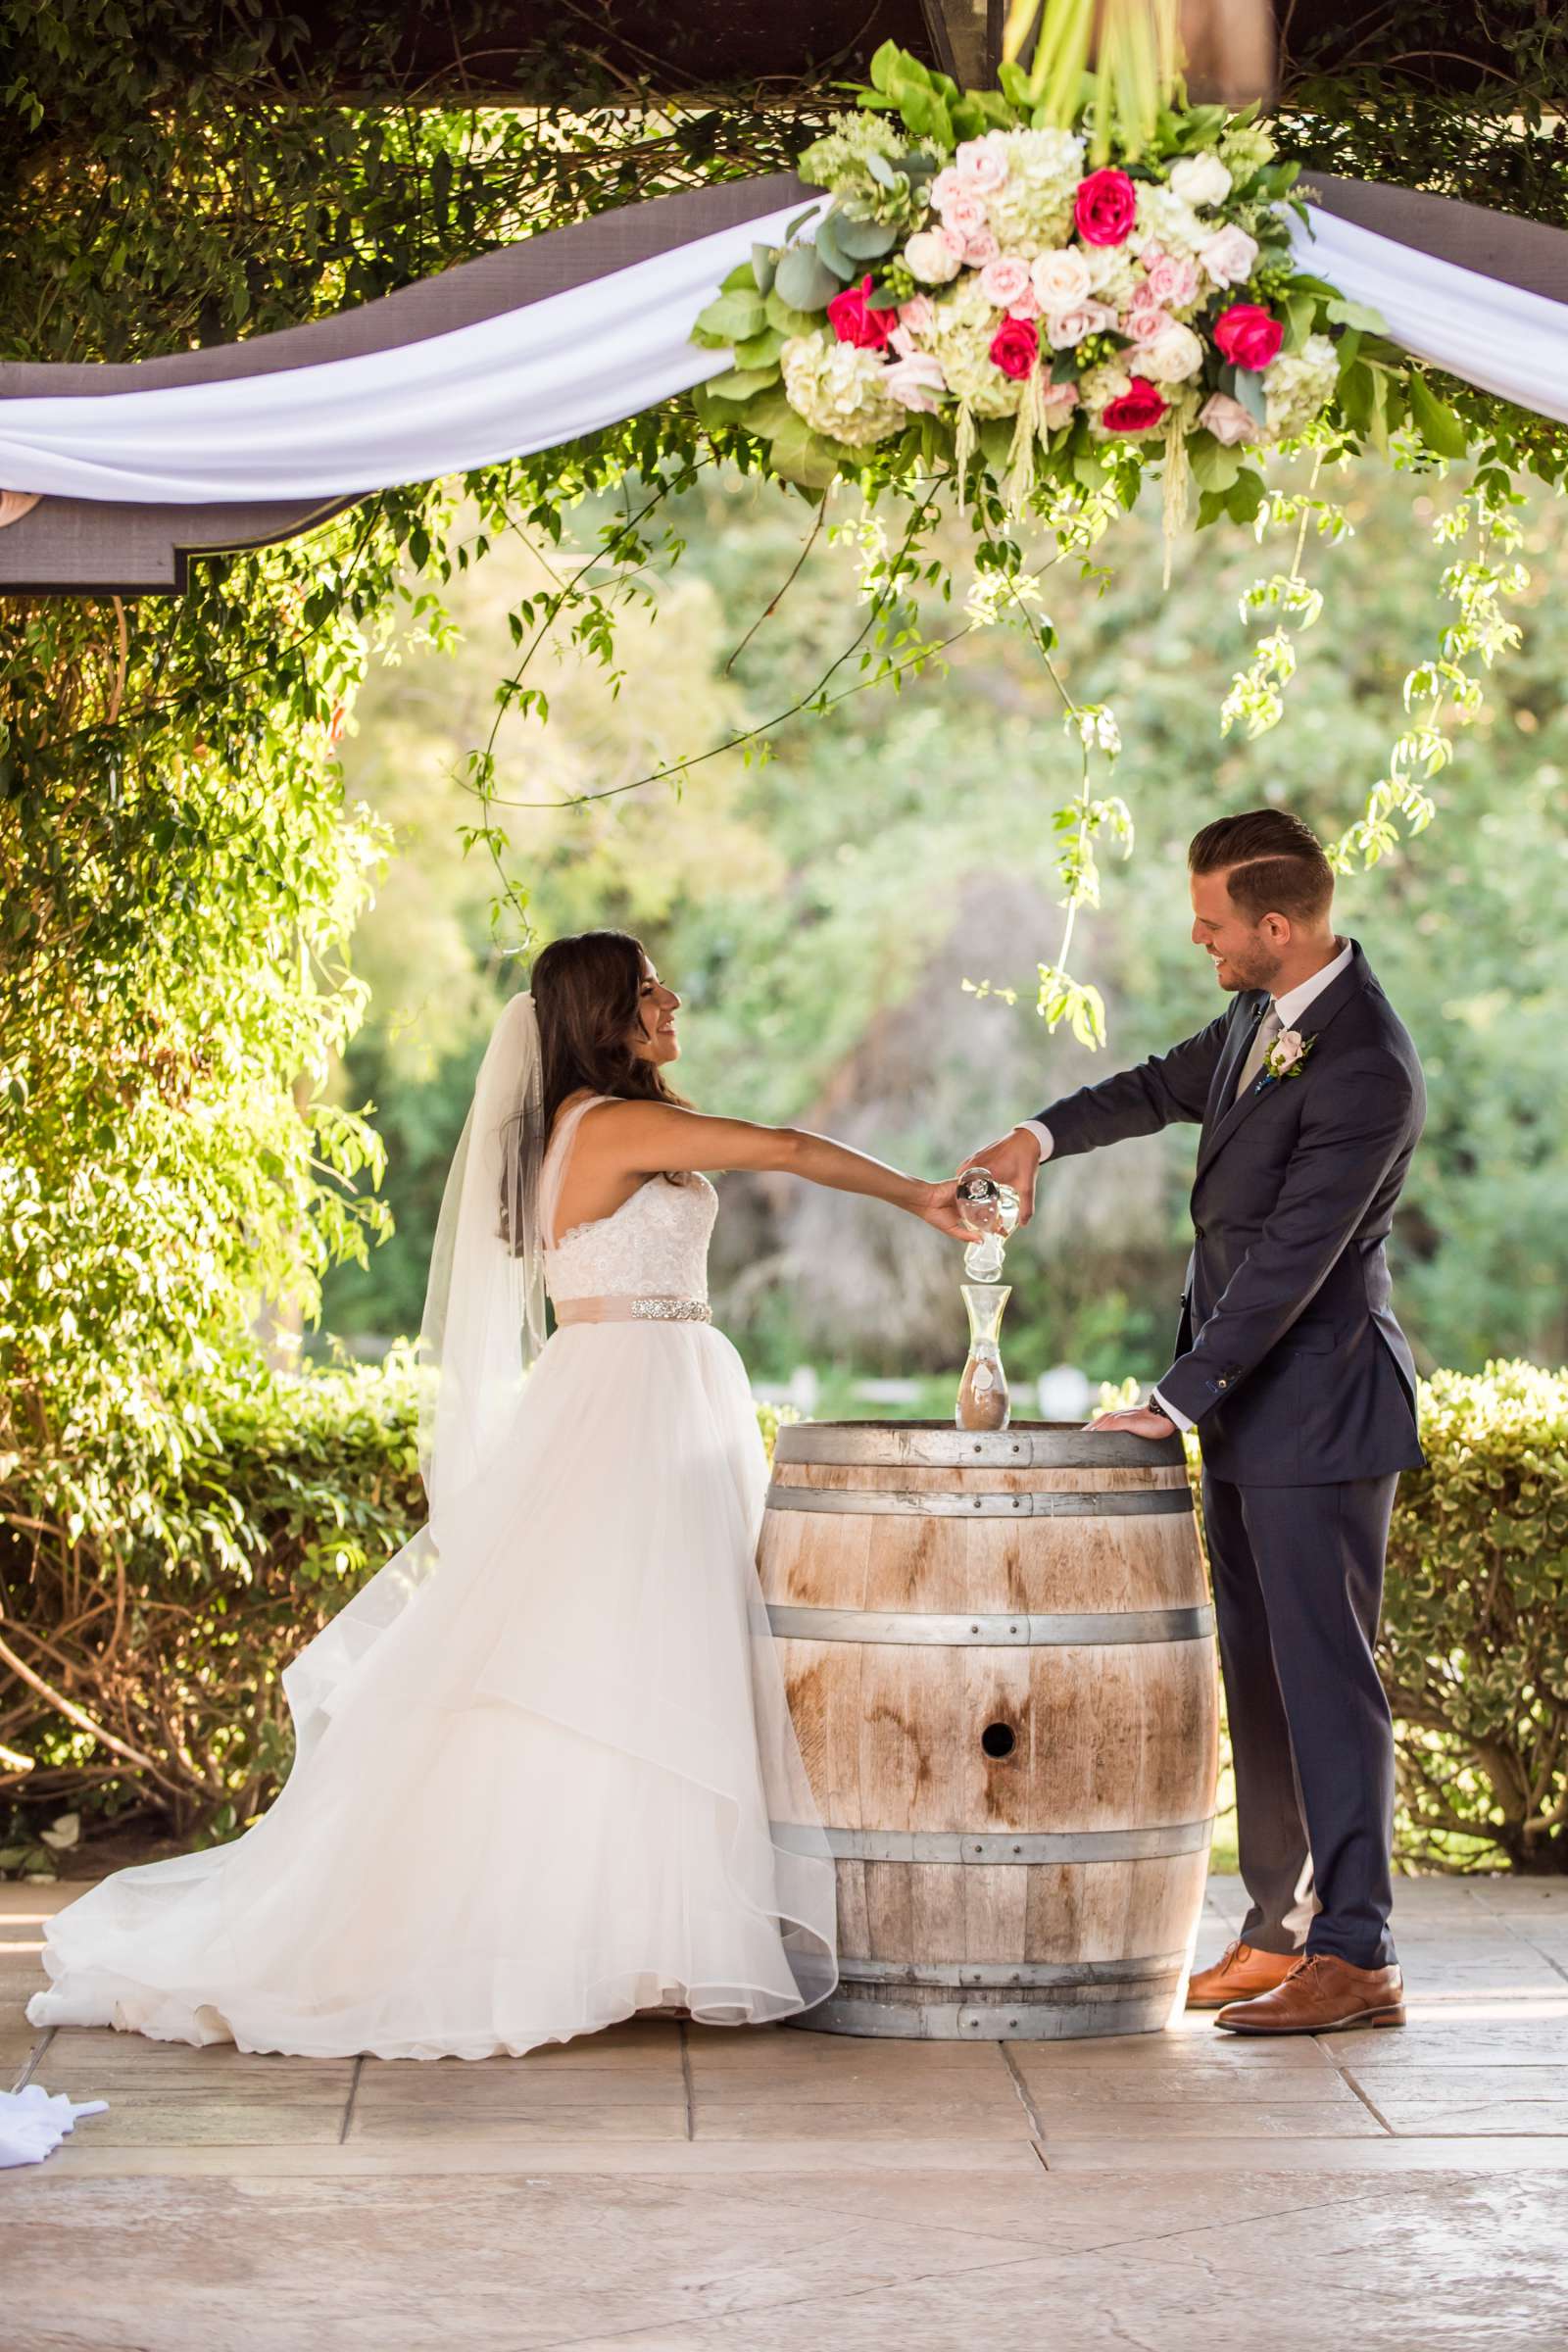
x=525, y=380
x=596, y=354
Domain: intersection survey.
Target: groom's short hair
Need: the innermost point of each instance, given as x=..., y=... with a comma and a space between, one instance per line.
x=1272, y=862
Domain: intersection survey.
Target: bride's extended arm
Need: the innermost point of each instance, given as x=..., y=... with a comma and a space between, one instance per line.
x=652, y=1139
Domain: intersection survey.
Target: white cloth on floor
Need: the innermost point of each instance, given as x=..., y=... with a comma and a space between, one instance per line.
x=34, y=2122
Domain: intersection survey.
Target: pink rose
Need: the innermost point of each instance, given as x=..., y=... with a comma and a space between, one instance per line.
x=1066, y=329
x=946, y=185
x=1248, y=335
x=1015, y=346
x=1228, y=420
x=915, y=380
x=962, y=214
x=1140, y=406
x=1056, y=404
x=1228, y=256
x=1104, y=207
x=1027, y=305
x=1005, y=281
x=854, y=320
x=1170, y=283
x=980, y=249
x=979, y=167
x=1145, y=324
x=918, y=314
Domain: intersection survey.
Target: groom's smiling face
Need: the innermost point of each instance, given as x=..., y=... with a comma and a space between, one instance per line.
x=1244, y=954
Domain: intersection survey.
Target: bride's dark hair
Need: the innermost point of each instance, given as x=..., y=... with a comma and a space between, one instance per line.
x=586, y=992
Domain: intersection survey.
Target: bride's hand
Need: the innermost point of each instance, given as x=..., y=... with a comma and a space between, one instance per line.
x=940, y=1208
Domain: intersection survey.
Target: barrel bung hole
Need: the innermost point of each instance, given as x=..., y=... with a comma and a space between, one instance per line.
x=998, y=1739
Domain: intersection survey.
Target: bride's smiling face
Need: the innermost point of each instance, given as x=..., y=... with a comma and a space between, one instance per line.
x=655, y=1037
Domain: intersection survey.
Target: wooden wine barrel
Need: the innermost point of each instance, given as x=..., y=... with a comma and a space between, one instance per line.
x=999, y=1658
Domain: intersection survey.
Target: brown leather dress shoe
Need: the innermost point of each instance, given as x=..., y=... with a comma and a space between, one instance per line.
x=1240, y=1972
x=1321, y=1995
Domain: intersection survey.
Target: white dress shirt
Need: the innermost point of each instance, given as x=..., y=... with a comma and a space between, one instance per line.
x=1290, y=1006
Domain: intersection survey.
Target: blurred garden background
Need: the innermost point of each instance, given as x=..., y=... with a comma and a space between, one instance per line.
x=822, y=911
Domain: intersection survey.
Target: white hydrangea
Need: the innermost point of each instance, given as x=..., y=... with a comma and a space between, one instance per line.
x=1163, y=219
x=1296, y=385
x=840, y=390
x=961, y=336
x=1033, y=206
x=1113, y=273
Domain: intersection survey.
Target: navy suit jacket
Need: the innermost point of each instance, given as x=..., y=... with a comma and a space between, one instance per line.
x=1288, y=1354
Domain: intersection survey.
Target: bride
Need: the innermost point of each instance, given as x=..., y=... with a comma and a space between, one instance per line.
x=545, y=1775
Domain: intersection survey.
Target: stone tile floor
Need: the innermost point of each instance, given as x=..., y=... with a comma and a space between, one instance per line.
x=660, y=2186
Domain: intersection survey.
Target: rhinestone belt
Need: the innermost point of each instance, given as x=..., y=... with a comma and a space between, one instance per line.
x=633, y=1311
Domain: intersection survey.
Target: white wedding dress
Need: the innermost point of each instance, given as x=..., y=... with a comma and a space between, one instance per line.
x=543, y=1762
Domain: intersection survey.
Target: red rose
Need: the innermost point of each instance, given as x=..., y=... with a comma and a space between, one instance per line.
x=855, y=322
x=1015, y=346
x=1136, y=410
x=1248, y=335
x=1106, y=207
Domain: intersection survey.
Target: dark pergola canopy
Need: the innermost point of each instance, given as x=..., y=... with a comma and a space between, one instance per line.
x=537, y=51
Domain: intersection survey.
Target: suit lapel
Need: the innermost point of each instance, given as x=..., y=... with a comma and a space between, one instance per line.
x=1315, y=1021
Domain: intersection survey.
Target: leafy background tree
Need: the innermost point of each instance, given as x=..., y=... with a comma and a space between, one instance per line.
x=821, y=909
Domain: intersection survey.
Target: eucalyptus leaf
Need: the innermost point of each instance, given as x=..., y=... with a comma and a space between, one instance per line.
x=765, y=260
x=1251, y=395
x=862, y=240
x=831, y=251
x=804, y=282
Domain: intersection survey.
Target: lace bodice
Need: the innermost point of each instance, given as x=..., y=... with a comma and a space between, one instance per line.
x=654, y=1246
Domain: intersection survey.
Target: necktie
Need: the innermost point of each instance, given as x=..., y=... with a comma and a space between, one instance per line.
x=1268, y=1029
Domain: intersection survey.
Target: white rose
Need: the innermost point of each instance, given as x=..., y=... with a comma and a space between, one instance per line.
x=931, y=259
x=1288, y=1047
x=1061, y=281
x=1172, y=357
x=1201, y=179
x=1066, y=329
x=1228, y=256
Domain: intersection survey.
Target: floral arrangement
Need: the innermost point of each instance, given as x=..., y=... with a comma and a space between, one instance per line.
x=977, y=284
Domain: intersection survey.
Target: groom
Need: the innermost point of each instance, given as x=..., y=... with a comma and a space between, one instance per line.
x=1290, y=1366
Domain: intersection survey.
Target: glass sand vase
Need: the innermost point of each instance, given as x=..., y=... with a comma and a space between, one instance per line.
x=983, y=1402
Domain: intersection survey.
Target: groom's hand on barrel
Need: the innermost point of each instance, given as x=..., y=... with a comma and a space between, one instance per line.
x=1015, y=1160
x=1139, y=1421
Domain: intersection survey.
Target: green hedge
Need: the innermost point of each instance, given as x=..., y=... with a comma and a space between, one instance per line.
x=171, y=1638
x=1474, y=1635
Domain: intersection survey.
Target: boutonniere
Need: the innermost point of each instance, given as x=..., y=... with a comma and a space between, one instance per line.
x=1285, y=1056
